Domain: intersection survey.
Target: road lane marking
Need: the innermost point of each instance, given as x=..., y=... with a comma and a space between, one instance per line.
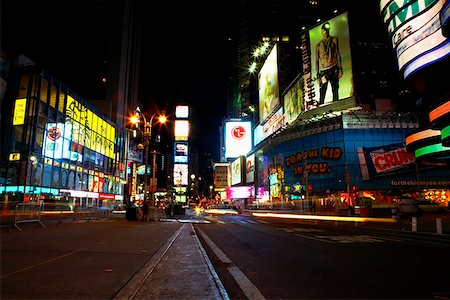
x=249, y=289
x=315, y=239
x=350, y=239
x=43, y=262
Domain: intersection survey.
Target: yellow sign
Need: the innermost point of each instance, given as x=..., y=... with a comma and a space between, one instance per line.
x=19, y=111
x=14, y=156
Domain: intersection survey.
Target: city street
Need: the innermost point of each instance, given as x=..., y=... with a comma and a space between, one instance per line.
x=304, y=260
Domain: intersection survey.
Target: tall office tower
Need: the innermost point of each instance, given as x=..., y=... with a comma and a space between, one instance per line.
x=123, y=81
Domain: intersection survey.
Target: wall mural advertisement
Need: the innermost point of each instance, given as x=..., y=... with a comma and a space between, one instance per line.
x=327, y=63
x=269, y=99
x=385, y=160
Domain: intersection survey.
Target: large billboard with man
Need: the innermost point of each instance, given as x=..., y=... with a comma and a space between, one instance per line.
x=327, y=63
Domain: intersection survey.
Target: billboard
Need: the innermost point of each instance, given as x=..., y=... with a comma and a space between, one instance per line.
x=415, y=30
x=327, y=63
x=384, y=160
x=180, y=174
x=250, y=169
x=240, y=192
x=180, y=152
x=238, y=138
x=275, y=122
x=221, y=175
x=269, y=99
x=293, y=102
x=181, y=130
x=236, y=170
x=182, y=111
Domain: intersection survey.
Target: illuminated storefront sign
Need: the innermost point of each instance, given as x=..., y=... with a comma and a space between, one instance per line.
x=19, y=111
x=240, y=192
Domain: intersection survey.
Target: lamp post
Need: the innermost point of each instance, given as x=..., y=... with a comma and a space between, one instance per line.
x=148, y=124
x=33, y=160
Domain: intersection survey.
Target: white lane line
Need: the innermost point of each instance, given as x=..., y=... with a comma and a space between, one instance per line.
x=222, y=290
x=42, y=263
x=315, y=239
x=249, y=289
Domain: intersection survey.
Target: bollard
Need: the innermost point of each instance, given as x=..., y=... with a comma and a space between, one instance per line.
x=414, y=224
x=438, y=225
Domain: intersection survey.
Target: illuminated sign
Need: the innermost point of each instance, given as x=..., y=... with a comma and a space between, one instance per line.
x=275, y=122
x=180, y=174
x=182, y=111
x=269, y=99
x=14, y=156
x=181, y=130
x=415, y=31
x=88, y=129
x=236, y=170
x=384, y=160
x=327, y=63
x=19, y=111
x=238, y=138
x=240, y=192
x=250, y=169
x=293, y=102
x=180, y=152
x=221, y=175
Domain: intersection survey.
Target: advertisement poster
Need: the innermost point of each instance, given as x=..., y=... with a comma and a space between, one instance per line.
x=269, y=99
x=327, y=75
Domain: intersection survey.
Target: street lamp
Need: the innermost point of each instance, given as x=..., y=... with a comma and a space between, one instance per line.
x=147, y=137
x=33, y=160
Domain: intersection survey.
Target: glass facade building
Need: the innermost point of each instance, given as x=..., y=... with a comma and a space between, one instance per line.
x=56, y=146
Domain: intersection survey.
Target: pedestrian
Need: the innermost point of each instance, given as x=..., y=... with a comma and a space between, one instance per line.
x=144, y=210
x=328, y=63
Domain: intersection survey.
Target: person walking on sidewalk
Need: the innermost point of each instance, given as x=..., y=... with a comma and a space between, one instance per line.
x=145, y=210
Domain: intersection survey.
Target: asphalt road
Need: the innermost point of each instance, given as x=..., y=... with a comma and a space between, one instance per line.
x=291, y=259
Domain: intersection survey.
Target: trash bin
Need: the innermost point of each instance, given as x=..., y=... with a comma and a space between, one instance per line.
x=131, y=213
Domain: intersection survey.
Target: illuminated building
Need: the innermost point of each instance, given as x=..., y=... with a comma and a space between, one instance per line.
x=327, y=157
x=56, y=146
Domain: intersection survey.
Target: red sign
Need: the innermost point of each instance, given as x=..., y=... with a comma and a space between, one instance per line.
x=107, y=196
x=238, y=132
x=54, y=133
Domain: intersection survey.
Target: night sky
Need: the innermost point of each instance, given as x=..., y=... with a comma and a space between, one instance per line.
x=183, y=56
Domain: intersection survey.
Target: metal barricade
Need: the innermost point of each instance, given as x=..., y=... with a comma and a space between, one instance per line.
x=85, y=213
x=28, y=213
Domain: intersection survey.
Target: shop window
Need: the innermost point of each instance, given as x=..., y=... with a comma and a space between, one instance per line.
x=23, y=88
x=44, y=91
x=62, y=99
x=53, y=95
x=39, y=140
x=16, y=138
x=52, y=115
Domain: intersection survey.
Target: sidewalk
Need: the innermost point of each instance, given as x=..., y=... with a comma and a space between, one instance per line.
x=106, y=259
